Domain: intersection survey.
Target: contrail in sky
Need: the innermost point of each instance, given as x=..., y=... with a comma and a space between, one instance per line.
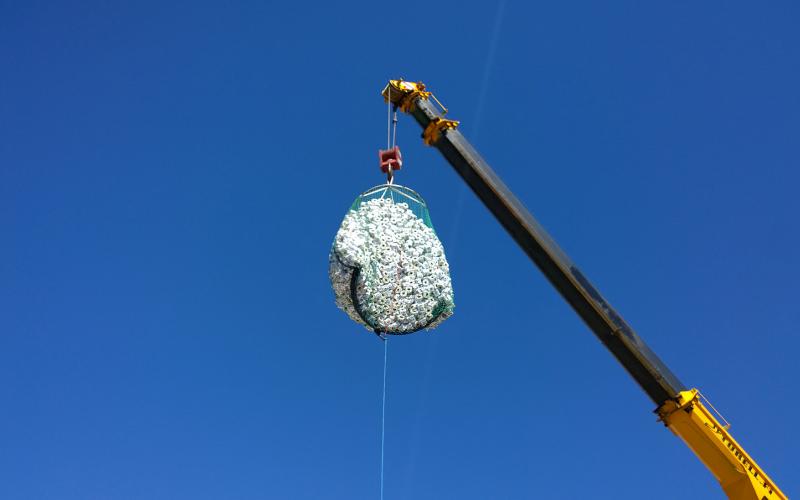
x=478, y=117
x=431, y=352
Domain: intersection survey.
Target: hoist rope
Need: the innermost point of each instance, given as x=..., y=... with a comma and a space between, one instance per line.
x=391, y=138
x=389, y=175
x=389, y=119
x=391, y=130
x=394, y=128
x=383, y=407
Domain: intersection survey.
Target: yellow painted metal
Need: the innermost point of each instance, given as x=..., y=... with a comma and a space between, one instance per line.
x=741, y=478
x=404, y=94
x=686, y=416
x=434, y=129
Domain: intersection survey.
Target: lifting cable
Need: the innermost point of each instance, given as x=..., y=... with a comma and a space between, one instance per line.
x=391, y=136
x=389, y=119
x=391, y=143
x=391, y=131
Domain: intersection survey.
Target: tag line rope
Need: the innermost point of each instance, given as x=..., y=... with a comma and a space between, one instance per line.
x=383, y=407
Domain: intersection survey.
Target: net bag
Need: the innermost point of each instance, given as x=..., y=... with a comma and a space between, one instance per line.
x=387, y=266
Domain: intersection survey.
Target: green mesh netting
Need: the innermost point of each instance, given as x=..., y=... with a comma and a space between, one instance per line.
x=387, y=266
x=398, y=194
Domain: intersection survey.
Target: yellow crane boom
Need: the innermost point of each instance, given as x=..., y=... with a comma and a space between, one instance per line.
x=679, y=408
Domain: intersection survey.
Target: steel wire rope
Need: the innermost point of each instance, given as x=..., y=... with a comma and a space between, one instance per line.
x=389, y=175
x=391, y=142
x=385, y=338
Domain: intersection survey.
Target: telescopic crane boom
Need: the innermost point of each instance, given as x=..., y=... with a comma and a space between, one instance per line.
x=681, y=409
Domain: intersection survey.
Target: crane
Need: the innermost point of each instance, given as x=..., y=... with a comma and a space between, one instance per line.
x=684, y=411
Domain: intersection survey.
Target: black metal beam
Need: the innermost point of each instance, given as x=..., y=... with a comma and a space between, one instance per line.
x=643, y=365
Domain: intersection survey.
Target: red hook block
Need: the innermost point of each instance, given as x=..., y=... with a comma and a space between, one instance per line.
x=390, y=158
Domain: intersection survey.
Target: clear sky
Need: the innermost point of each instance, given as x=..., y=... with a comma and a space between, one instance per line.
x=172, y=175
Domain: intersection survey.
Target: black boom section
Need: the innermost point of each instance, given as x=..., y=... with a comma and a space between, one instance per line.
x=642, y=363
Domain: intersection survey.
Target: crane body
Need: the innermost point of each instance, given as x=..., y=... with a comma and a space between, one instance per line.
x=681, y=409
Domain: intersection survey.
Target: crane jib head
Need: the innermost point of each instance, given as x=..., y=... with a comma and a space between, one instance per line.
x=403, y=94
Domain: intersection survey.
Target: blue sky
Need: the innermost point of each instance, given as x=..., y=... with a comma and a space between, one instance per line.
x=172, y=175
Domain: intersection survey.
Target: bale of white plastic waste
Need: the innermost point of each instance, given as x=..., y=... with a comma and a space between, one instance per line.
x=387, y=266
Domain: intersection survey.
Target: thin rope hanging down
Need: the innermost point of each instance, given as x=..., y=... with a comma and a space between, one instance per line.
x=383, y=408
